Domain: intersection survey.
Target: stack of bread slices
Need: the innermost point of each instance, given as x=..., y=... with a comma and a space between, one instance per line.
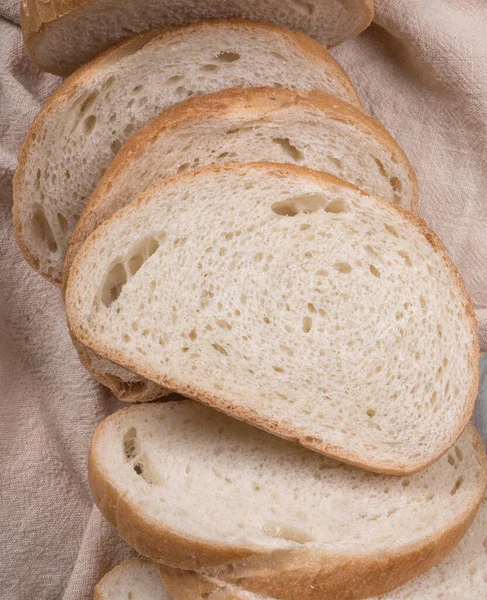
x=227, y=224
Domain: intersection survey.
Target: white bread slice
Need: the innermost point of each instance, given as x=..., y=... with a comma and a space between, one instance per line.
x=134, y=579
x=460, y=576
x=289, y=299
x=192, y=488
x=61, y=35
x=82, y=126
x=313, y=129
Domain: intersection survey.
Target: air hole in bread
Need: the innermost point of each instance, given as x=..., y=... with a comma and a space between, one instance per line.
x=42, y=230
x=220, y=349
x=343, y=267
x=306, y=204
x=138, y=88
x=396, y=184
x=289, y=148
x=88, y=102
x=278, y=369
x=406, y=257
x=336, y=207
x=131, y=444
x=391, y=230
x=182, y=168
x=371, y=412
x=304, y=8
x=89, y=124
x=144, y=250
x=374, y=271
x=227, y=57
x=381, y=167
x=459, y=453
x=175, y=78
x=115, y=146
x=182, y=91
x=108, y=83
x=128, y=130
x=457, y=486
x=307, y=324
x=286, y=532
x=210, y=68
x=113, y=284
x=278, y=56
x=63, y=223
x=224, y=324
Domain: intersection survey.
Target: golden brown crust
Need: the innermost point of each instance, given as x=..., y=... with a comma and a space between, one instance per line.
x=252, y=416
x=298, y=574
x=36, y=15
x=253, y=102
x=85, y=74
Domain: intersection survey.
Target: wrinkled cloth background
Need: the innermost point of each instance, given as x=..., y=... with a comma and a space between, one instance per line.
x=421, y=69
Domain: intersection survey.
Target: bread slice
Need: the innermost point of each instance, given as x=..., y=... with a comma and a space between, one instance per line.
x=192, y=488
x=83, y=125
x=289, y=299
x=61, y=35
x=313, y=129
x=462, y=575
x=134, y=579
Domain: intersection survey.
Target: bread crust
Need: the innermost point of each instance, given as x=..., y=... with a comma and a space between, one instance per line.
x=297, y=574
x=125, y=391
x=85, y=74
x=252, y=416
x=38, y=15
x=251, y=102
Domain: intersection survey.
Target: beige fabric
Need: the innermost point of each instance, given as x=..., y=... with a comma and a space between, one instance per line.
x=421, y=70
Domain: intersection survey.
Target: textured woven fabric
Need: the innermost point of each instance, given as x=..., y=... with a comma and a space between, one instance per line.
x=420, y=69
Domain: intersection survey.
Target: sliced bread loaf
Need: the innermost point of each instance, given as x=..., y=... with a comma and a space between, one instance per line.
x=134, y=579
x=61, y=35
x=460, y=576
x=192, y=488
x=313, y=129
x=292, y=300
x=83, y=125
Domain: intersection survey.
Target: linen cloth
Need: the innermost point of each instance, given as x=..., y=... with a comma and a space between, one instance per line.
x=421, y=69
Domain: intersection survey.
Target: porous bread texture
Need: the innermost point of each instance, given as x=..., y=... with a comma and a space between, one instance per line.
x=462, y=575
x=134, y=579
x=313, y=129
x=192, y=488
x=289, y=299
x=61, y=35
x=244, y=125
x=83, y=125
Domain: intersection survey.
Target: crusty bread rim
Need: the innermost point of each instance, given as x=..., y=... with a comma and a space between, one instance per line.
x=303, y=44
x=274, y=573
x=249, y=415
x=252, y=102
x=36, y=14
